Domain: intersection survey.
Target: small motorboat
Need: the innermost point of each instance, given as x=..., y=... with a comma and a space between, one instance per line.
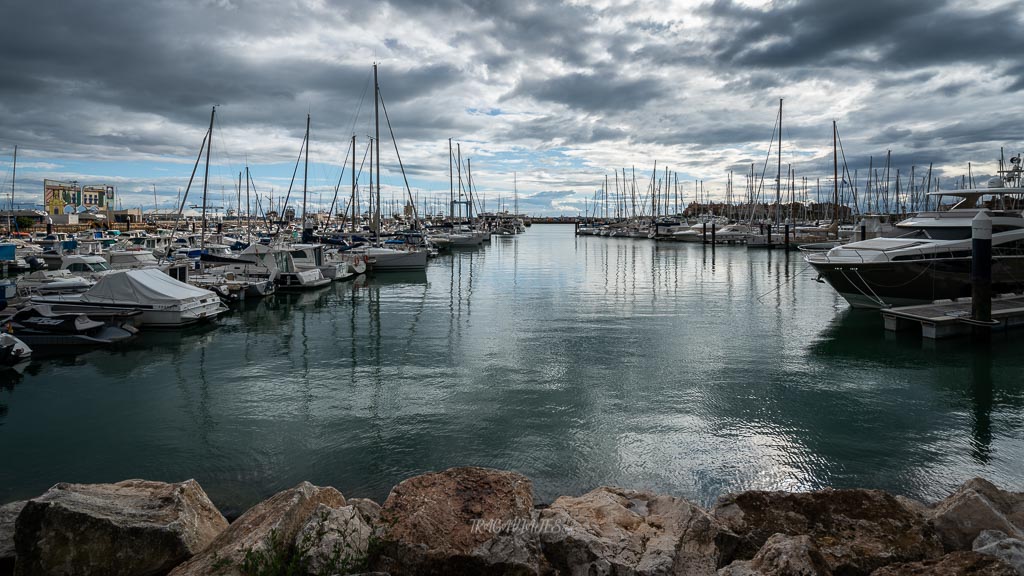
x=13, y=351
x=40, y=326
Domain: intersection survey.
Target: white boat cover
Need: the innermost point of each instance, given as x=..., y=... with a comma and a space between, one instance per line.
x=149, y=286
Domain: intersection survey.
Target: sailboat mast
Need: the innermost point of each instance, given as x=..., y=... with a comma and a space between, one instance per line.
x=515, y=191
x=14, y=175
x=376, y=121
x=305, y=175
x=778, y=175
x=458, y=164
x=835, y=172
x=206, y=178
x=352, y=201
x=451, y=184
x=248, y=212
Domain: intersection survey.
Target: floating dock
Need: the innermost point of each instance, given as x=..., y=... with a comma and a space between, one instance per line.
x=949, y=318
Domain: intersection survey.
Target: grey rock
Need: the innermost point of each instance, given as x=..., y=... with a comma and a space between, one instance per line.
x=977, y=506
x=8, y=515
x=368, y=509
x=131, y=528
x=958, y=563
x=999, y=545
x=334, y=540
x=782, y=555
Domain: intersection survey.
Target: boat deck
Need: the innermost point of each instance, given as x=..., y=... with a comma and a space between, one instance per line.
x=948, y=318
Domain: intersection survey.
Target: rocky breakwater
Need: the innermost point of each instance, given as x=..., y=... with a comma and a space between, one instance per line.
x=481, y=521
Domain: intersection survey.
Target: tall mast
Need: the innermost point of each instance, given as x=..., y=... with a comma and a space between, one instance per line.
x=778, y=175
x=451, y=184
x=305, y=175
x=654, y=199
x=14, y=174
x=515, y=190
x=248, y=212
x=352, y=201
x=206, y=178
x=376, y=121
x=458, y=149
x=835, y=172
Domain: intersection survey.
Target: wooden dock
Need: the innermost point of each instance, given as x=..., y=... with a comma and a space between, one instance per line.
x=949, y=318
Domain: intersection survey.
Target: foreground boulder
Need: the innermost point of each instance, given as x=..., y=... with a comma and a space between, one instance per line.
x=782, y=555
x=8, y=515
x=132, y=528
x=618, y=531
x=955, y=564
x=856, y=531
x=461, y=521
x=334, y=541
x=976, y=506
x=263, y=535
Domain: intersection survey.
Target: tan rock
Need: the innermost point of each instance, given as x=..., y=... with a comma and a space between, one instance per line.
x=618, y=531
x=976, y=506
x=131, y=528
x=266, y=529
x=955, y=564
x=461, y=521
x=856, y=531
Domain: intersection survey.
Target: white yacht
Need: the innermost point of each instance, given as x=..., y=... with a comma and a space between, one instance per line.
x=929, y=256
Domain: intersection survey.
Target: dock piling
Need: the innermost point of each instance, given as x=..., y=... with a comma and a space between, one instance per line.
x=981, y=267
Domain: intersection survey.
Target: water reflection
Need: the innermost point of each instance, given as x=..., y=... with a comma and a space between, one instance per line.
x=687, y=369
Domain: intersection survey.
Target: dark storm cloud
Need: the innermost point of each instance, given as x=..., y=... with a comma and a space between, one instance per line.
x=832, y=33
x=603, y=92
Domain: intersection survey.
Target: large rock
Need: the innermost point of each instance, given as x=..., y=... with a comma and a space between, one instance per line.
x=618, y=531
x=460, y=521
x=998, y=544
x=782, y=555
x=976, y=506
x=8, y=515
x=263, y=534
x=132, y=528
x=955, y=564
x=856, y=531
x=334, y=541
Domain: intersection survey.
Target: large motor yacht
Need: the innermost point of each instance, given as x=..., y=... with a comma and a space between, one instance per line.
x=928, y=256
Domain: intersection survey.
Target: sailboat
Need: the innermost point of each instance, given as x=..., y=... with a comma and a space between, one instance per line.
x=380, y=258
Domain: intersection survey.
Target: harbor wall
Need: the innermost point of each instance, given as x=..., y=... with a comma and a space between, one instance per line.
x=481, y=521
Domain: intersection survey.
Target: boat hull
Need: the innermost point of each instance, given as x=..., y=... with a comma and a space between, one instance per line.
x=905, y=283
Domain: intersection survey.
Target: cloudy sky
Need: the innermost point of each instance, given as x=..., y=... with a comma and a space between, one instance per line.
x=559, y=93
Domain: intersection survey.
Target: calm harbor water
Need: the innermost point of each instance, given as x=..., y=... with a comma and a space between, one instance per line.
x=576, y=361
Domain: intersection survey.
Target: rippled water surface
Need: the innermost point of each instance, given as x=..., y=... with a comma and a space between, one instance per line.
x=576, y=361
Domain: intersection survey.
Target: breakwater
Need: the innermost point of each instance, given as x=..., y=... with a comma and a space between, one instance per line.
x=472, y=520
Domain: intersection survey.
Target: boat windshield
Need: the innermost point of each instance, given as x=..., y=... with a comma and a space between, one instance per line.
x=99, y=266
x=939, y=233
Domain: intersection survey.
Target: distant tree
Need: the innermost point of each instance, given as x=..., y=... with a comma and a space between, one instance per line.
x=24, y=222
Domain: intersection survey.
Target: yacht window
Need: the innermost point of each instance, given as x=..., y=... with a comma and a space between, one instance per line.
x=78, y=267
x=939, y=233
x=99, y=267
